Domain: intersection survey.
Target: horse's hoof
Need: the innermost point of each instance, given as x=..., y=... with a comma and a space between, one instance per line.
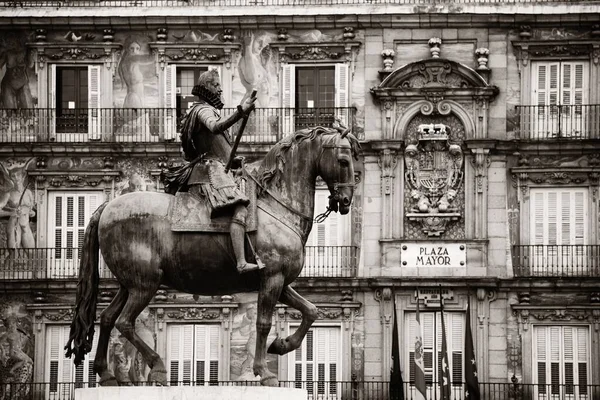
x=158, y=377
x=108, y=381
x=269, y=381
x=277, y=347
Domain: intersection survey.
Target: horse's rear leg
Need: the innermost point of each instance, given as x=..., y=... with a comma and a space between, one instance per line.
x=138, y=299
x=309, y=315
x=107, y=322
x=270, y=290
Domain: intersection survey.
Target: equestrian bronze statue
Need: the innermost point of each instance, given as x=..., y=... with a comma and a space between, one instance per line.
x=136, y=239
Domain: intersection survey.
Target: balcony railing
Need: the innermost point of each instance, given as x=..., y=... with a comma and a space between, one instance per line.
x=330, y=261
x=254, y=3
x=336, y=390
x=147, y=125
x=556, y=260
x=43, y=263
x=553, y=122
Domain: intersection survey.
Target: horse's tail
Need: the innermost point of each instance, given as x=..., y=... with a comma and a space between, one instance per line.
x=81, y=335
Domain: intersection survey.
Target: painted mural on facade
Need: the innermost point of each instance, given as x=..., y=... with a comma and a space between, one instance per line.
x=17, y=83
x=17, y=211
x=16, y=351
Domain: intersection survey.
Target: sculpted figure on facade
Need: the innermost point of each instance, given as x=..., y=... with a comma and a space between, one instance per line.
x=434, y=173
x=17, y=203
x=16, y=365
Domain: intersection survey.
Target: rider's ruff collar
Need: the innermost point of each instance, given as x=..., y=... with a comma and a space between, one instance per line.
x=206, y=95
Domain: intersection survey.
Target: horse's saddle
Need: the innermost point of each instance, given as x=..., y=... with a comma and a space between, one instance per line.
x=187, y=213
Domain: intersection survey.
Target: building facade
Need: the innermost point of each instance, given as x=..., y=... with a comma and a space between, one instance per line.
x=478, y=182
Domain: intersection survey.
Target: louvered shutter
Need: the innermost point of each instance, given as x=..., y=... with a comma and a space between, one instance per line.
x=573, y=84
x=546, y=99
x=288, y=99
x=94, y=127
x=341, y=93
x=170, y=113
x=455, y=351
x=52, y=114
x=207, y=347
x=559, y=230
x=180, y=343
x=59, y=369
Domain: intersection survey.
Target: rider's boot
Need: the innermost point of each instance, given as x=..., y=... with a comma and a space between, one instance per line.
x=238, y=231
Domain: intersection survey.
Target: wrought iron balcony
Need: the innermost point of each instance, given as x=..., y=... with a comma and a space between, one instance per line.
x=336, y=390
x=556, y=260
x=554, y=122
x=150, y=125
x=253, y=3
x=43, y=263
x=330, y=262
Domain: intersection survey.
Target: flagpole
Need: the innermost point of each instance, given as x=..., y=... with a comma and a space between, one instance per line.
x=420, y=385
x=445, y=383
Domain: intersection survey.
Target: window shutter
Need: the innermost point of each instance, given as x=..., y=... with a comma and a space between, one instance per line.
x=215, y=346
x=288, y=82
x=201, y=354
x=181, y=339
x=541, y=357
x=170, y=102
x=455, y=341
x=52, y=114
x=341, y=93
x=94, y=102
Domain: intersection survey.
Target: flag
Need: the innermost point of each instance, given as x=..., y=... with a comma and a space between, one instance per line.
x=396, y=383
x=445, y=383
x=421, y=393
x=471, y=379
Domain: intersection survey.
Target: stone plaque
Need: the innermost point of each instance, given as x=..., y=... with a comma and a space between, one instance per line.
x=432, y=254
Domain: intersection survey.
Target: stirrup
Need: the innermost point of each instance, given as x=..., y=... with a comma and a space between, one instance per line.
x=248, y=267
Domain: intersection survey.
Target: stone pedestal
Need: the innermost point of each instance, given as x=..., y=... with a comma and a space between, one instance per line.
x=191, y=393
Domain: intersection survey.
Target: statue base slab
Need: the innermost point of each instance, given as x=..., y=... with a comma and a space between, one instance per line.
x=190, y=392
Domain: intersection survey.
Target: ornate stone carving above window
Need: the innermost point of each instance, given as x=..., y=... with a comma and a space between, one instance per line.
x=188, y=313
x=321, y=51
x=558, y=49
x=527, y=314
x=173, y=52
x=430, y=87
x=74, y=179
x=107, y=53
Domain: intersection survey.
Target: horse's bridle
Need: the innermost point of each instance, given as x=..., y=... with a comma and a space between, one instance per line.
x=335, y=195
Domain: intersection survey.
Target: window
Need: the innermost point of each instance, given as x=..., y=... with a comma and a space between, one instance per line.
x=60, y=371
x=316, y=364
x=75, y=99
x=559, y=98
x=314, y=95
x=193, y=354
x=561, y=355
x=558, y=230
x=327, y=250
x=68, y=216
x=179, y=81
x=431, y=326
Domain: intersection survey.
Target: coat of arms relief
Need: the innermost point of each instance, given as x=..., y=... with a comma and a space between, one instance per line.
x=434, y=175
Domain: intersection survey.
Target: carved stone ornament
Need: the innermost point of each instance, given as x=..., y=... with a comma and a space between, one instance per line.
x=544, y=49
x=320, y=51
x=194, y=313
x=166, y=52
x=106, y=53
x=76, y=179
x=525, y=315
x=434, y=173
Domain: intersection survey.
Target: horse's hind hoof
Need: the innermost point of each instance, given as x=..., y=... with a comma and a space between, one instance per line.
x=108, y=381
x=277, y=347
x=269, y=381
x=159, y=378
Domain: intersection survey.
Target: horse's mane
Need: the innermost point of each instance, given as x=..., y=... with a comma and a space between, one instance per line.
x=269, y=170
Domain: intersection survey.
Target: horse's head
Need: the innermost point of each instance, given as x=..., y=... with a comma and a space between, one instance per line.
x=336, y=167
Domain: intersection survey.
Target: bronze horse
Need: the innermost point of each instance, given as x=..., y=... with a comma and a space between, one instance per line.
x=135, y=238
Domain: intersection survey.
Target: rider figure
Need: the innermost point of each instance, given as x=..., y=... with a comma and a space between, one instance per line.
x=206, y=144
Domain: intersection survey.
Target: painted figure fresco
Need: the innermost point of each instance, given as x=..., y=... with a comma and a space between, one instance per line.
x=16, y=63
x=16, y=366
x=254, y=67
x=244, y=343
x=137, y=75
x=17, y=205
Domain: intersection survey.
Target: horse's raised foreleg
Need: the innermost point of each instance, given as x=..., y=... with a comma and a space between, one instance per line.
x=107, y=322
x=138, y=299
x=270, y=291
x=309, y=315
